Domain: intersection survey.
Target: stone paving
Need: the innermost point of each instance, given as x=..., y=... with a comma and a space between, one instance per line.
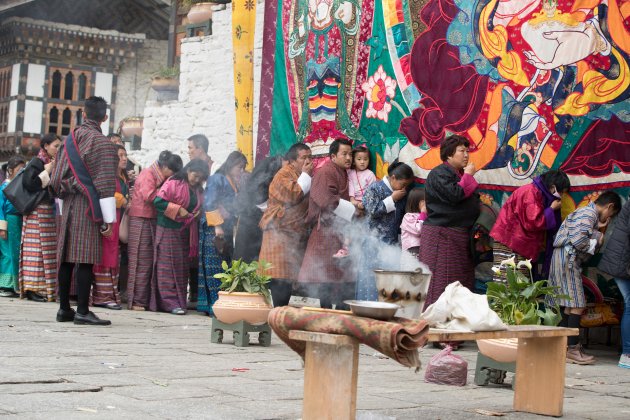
x=161, y=366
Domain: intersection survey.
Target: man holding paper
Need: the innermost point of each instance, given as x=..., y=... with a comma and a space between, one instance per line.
x=321, y=276
x=84, y=178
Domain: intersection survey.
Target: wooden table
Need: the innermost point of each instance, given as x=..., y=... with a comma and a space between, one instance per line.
x=331, y=369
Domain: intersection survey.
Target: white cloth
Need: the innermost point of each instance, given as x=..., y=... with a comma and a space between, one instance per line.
x=263, y=206
x=345, y=210
x=45, y=178
x=458, y=308
x=390, y=206
x=108, y=208
x=305, y=182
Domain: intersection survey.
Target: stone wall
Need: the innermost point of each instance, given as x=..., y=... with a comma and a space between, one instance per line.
x=134, y=79
x=206, y=96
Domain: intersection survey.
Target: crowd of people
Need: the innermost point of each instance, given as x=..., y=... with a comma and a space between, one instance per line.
x=322, y=231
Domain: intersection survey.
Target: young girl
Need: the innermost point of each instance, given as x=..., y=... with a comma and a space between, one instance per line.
x=416, y=214
x=10, y=234
x=576, y=241
x=359, y=179
x=105, y=289
x=384, y=203
x=176, y=241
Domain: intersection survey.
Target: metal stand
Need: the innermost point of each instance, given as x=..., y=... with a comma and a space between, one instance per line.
x=205, y=27
x=490, y=371
x=240, y=333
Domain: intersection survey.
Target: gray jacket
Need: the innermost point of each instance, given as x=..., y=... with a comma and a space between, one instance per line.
x=616, y=258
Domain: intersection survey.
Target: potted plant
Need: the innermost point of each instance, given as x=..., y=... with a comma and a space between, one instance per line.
x=165, y=82
x=518, y=301
x=244, y=293
x=131, y=126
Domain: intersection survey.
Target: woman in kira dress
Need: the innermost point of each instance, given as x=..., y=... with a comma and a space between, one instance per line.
x=218, y=221
x=10, y=234
x=105, y=288
x=178, y=203
x=38, y=252
x=142, y=224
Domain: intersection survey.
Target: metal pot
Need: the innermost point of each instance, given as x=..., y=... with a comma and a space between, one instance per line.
x=405, y=288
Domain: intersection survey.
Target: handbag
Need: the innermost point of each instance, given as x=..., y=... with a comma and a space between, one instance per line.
x=23, y=200
x=123, y=228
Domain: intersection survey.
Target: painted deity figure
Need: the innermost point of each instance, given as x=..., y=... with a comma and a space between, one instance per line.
x=317, y=49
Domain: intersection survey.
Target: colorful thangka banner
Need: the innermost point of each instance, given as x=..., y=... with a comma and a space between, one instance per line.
x=534, y=84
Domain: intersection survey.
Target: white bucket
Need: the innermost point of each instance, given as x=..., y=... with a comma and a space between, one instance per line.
x=405, y=288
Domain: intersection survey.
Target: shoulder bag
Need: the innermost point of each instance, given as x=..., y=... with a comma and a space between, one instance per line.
x=23, y=200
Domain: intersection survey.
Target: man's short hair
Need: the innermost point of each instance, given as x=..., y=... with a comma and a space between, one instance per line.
x=334, y=146
x=200, y=141
x=95, y=108
x=609, y=197
x=294, y=151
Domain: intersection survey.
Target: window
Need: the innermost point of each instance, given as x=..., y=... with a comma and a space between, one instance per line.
x=55, y=91
x=79, y=119
x=53, y=120
x=82, y=87
x=66, y=122
x=69, y=86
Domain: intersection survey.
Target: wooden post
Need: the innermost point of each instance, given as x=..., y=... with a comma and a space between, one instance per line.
x=331, y=366
x=540, y=370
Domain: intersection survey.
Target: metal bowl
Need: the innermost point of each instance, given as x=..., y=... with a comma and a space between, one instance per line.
x=369, y=309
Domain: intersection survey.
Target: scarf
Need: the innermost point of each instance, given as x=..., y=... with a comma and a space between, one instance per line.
x=43, y=156
x=83, y=178
x=548, y=198
x=177, y=191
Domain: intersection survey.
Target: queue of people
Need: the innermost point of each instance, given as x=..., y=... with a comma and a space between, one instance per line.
x=322, y=232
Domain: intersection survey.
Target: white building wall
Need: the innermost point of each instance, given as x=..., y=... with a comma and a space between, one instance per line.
x=206, y=96
x=15, y=79
x=35, y=80
x=33, y=116
x=134, y=79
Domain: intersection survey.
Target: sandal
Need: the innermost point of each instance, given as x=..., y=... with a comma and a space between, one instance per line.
x=138, y=308
x=342, y=253
x=178, y=311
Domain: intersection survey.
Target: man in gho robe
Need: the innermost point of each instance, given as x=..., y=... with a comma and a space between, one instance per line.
x=284, y=231
x=321, y=275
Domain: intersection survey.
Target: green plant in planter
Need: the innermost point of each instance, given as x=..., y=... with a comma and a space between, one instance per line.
x=245, y=277
x=166, y=73
x=521, y=301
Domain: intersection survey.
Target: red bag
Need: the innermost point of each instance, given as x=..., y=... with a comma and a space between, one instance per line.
x=446, y=368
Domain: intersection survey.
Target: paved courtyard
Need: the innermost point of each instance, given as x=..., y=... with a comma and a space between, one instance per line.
x=160, y=366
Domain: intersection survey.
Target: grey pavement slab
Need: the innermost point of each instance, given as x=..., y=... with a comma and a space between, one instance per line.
x=159, y=366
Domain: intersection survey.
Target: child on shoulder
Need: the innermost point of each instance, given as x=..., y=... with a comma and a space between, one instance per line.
x=359, y=179
x=410, y=228
x=577, y=240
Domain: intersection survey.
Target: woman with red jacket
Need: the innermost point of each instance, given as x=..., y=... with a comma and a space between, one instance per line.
x=528, y=217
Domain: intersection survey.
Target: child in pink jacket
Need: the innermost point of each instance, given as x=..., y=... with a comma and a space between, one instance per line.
x=410, y=228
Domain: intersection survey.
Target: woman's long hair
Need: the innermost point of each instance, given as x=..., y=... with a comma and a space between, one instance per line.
x=234, y=159
x=195, y=165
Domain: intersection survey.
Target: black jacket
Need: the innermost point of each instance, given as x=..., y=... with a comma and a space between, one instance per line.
x=446, y=204
x=616, y=258
x=31, y=180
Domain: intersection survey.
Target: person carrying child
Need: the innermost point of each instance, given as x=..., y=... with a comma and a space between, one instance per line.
x=410, y=228
x=577, y=240
x=359, y=179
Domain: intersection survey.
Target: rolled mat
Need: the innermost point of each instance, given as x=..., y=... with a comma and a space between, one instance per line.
x=399, y=339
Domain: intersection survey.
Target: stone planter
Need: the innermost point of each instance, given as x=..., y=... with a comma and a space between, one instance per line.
x=200, y=12
x=239, y=306
x=502, y=349
x=167, y=89
x=131, y=126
